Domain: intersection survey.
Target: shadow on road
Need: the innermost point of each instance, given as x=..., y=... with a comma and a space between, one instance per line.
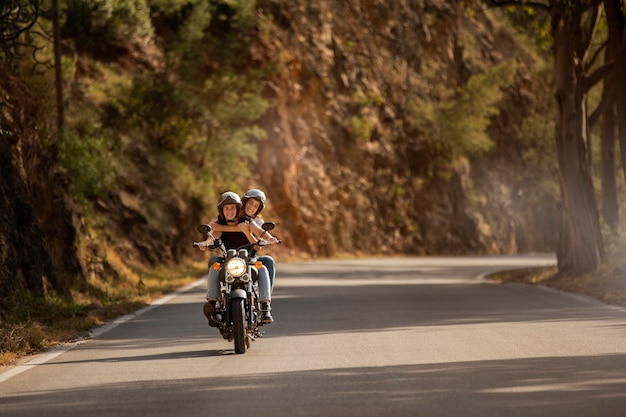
x=550, y=386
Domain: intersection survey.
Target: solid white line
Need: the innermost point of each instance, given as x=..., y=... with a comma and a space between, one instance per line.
x=42, y=358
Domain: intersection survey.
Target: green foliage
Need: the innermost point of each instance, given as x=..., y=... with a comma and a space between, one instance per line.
x=158, y=110
x=234, y=102
x=372, y=98
x=213, y=129
x=24, y=308
x=360, y=128
x=531, y=22
x=232, y=144
x=192, y=31
x=265, y=24
x=457, y=127
x=210, y=33
x=210, y=48
x=17, y=18
x=236, y=99
x=172, y=7
x=90, y=22
x=534, y=139
x=359, y=125
x=245, y=14
x=30, y=324
x=84, y=158
x=131, y=17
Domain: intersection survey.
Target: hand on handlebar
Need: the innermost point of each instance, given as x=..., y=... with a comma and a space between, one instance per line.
x=203, y=245
x=271, y=241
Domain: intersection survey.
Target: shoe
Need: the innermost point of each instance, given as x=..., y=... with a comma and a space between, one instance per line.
x=209, y=312
x=209, y=309
x=215, y=320
x=266, y=315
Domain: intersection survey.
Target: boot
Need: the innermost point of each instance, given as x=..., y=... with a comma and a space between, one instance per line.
x=266, y=315
x=209, y=312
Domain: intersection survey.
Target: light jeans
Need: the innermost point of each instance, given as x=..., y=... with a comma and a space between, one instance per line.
x=270, y=264
x=213, y=284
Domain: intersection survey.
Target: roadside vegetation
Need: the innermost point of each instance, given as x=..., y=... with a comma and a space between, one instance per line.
x=37, y=324
x=607, y=284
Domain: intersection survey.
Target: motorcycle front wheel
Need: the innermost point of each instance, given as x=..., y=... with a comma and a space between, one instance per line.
x=239, y=325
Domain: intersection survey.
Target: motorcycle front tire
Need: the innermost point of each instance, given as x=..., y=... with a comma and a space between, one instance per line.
x=239, y=325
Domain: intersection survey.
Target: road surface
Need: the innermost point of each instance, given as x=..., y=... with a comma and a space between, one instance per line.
x=377, y=337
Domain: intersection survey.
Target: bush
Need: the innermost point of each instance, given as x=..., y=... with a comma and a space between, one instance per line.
x=94, y=22
x=84, y=158
x=457, y=127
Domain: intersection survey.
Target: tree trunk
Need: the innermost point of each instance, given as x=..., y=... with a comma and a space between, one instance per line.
x=58, y=70
x=616, y=22
x=581, y=249
x=610, y=211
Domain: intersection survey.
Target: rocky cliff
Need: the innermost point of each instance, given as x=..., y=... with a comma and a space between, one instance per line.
x=341, y=189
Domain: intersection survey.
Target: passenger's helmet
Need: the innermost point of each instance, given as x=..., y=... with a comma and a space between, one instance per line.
x=228, y=198
x=258, y=195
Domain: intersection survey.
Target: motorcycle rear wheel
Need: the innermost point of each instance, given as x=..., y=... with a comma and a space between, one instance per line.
x=239, y=325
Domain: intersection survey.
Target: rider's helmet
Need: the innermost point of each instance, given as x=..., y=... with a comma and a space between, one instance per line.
x=258, y=195
x=228, y=198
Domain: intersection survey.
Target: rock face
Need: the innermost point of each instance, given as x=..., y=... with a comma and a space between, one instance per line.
x=343, y=165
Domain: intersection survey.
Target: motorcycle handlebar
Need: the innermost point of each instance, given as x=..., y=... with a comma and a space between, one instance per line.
x=206, y=245
x=257, y=243
x=262, y=242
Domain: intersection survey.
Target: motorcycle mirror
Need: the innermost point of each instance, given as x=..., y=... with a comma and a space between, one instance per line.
x=267, y=226
x=205, y=229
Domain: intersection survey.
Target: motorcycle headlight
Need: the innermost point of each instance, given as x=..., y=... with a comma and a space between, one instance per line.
x=236, y=267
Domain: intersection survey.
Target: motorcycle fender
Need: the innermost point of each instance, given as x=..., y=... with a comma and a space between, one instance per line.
x=239, y=293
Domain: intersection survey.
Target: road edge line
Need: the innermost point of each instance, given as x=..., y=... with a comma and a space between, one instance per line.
x=41, y=358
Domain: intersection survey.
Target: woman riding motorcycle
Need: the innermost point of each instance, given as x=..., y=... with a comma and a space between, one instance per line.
x=253, y=202
x=229, y=209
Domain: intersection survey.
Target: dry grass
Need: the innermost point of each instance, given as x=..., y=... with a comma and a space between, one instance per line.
x=607, y=284
x=35, y=325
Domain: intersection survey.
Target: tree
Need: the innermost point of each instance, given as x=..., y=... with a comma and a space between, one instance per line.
x=16, y=17
x=58, y=71
x=581, y=248
x=573, y=24
x=616, y=82
x=612, y=103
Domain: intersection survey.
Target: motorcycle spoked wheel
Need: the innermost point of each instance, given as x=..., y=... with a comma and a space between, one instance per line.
x=239, y=325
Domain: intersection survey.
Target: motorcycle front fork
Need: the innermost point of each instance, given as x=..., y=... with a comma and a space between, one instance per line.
x=250, y=305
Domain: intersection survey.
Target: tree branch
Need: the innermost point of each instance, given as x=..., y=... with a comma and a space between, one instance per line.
x=588, y=29
x=607, y=99
x=599, y=74
x=15, y=17
x=597, y=53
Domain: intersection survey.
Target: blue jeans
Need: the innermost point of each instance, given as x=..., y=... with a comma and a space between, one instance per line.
x=213, y=284
x=270, y=264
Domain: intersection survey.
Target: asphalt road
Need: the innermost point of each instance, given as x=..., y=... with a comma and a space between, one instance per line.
x=379, y=337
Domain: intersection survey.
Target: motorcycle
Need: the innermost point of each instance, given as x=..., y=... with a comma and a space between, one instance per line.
x=238, y=309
